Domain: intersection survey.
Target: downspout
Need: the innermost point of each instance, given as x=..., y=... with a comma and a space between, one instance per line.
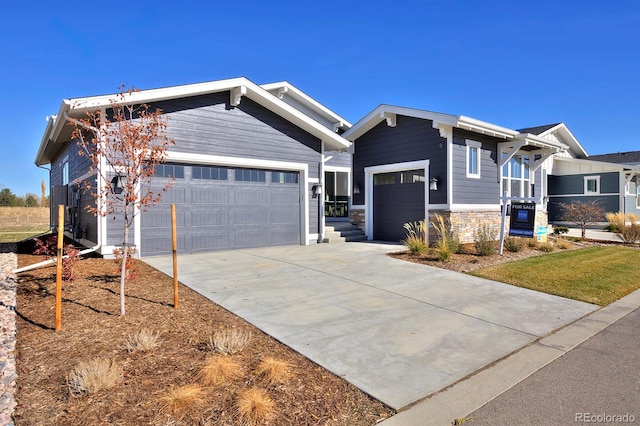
x=54, y=260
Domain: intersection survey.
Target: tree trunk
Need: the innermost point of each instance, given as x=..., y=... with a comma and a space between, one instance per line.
x=584, y=231
x=123, y=267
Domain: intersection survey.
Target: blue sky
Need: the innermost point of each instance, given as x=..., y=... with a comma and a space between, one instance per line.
x=512, y=63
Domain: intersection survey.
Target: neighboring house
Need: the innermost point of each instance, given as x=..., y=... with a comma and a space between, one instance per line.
x=249, y=164
x=611, y=179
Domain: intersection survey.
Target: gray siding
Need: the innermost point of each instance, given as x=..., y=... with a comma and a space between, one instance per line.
x=486, y=189
x=412, y=139
x=340, y=159
x=574, y=184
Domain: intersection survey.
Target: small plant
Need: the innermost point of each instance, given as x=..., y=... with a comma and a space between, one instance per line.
x=180, y=401
x=532, y=243
x=545, y=247
x=448, y=242
x=563, y=244
x=484, y=239
x=49, y=249
x=559, y=231
x=132, y=262
x=255, y=407
x=513, y=244
x=90, y=377
x=416, y=240
x=218, y=369
x=274, y=370
x=142, y=341
x=229, y=341
x=625, y=226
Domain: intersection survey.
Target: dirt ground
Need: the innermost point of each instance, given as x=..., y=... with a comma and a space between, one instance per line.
x=92, y=328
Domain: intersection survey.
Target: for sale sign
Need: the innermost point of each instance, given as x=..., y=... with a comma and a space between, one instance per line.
x=523, y=219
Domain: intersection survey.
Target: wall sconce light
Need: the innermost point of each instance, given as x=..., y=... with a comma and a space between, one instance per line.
x=316, y=190
x=117, y=184
x=356, y=189
x=433, y=184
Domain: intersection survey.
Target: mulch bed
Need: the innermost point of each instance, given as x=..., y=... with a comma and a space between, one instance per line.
x=92, y=328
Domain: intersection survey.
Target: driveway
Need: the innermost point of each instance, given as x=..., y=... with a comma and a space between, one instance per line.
x=397, y=330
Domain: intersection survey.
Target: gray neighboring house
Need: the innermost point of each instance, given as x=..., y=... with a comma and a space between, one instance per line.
x=251, y=165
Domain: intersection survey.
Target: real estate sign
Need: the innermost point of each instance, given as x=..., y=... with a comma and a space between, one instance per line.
x=523, y=218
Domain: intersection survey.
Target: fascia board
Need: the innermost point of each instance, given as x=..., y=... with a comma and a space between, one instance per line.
x=531, y=139
x=308, y=101
x=616, y=166
x=484, y=127
x=374, y=117
x=566, y=133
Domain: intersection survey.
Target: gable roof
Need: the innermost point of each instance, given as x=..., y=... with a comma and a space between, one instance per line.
x=562, y=132
x=630, y=157
x=538, y=129
x=303, y=102
x=388, y=112
x=57, y=132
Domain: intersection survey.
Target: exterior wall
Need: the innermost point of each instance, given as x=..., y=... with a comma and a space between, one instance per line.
x=569, y=188
x=412, y=139
x=631, y=199
x=486, y=189
x=340, y=159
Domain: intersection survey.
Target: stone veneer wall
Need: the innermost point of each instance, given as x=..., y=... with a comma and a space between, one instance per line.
x=464, y=223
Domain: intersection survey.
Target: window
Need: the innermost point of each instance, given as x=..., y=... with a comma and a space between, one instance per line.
x=473, y=159
x=250, y=175
x=210, y=173
x=65, y=172
x=592, y=184
x=384, y=178
x=412, y=176
x=516, y=174
x=169, y=171
x=284, y=177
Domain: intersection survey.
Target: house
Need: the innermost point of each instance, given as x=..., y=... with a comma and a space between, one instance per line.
x=249, y=164
x=409, y=164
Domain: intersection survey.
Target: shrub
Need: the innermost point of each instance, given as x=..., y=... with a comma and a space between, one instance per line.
x=532, y=243
x=142, y=341
x=181, y=400
x=229, y=341
x=582, y=213
x=218, y=369
x=484, y=239
x=546, y=247
x=563, y=244
x=255, y=407
x=416, y=240
x=49, y=249
x=90, y=377
x=560, y=230
x=448, y=242
x=274, y=370
x=513, y=244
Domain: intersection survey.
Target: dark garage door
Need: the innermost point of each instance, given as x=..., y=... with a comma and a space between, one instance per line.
x=220, y=208
x=398, y=198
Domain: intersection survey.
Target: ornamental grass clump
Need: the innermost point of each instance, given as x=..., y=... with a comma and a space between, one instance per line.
x=416, y=240
x=255, y=407
x=93, y=376
x=219, y=369
x=142, y=341
x=179, y=401
x=274, y=370
x=625, y=226
x=448, y=242
x=229, y=341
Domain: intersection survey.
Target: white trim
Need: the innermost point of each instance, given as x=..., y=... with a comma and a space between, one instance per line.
x=471, y=144
x=450, y=167
x=586, y=185
x=388, y=168
x=610, y=194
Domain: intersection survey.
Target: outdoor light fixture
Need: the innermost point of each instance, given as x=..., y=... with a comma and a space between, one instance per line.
x=356, y=189
x=433, y=184
x=116, y=184
x=316, y=190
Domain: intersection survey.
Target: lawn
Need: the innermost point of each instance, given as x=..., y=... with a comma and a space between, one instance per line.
x=599, y=275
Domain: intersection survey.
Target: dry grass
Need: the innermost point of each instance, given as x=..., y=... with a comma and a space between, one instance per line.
x=90, y=377
x=230, y=341
x=274, y=370
x=179, y=401
x=255, y=407
x=142, y=341
x=218, y=369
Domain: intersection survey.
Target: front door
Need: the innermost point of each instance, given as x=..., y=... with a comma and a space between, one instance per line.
x=336, y=197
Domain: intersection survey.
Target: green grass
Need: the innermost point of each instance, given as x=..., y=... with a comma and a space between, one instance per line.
x=15, y=234
x=599, y=275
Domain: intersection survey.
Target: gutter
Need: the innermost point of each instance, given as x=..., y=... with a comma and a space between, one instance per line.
x=52, y=261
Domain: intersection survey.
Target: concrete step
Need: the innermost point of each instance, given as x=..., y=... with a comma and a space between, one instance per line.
x=340, y=232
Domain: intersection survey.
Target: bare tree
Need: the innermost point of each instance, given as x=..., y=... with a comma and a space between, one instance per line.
x=131, y=140
x=582, y=213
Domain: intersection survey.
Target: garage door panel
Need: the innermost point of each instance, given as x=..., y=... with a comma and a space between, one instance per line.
x=223, y=214
x=395, y=204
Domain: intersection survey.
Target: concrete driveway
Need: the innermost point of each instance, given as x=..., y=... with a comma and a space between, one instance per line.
x=397, y=330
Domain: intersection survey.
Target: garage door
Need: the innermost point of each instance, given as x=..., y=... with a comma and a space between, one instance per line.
x=398, y=198
x=219, y=208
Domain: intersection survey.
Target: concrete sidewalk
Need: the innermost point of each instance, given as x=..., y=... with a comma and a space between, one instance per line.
x=397, y=330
